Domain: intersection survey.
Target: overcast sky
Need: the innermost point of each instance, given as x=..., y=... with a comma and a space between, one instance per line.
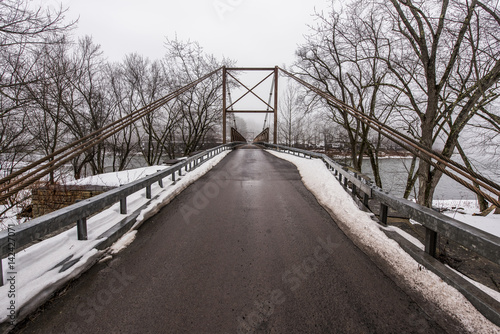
x=252, y=32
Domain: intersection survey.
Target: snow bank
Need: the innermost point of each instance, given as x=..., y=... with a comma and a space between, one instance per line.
x=463, y=211
x=43, y=268
x=115, y=179
x=366, y=234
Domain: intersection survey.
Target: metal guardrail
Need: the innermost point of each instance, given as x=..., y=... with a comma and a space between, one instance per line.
x=38, y=228
x=483, y=243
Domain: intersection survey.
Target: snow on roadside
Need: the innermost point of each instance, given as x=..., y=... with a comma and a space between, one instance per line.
x=115, y=179
x=37, y=268
x=463, y=211
x=366, y=234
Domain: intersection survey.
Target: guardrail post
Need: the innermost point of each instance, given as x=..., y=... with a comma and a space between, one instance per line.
x=148, y=191
x=383, y=213
x=366, y=198
x=1, y=272
x=81, y=228
x=173, y=177
x=430, y=242
x=160, y=182
x=123, y=205
x=354, y=188
x=346, y=181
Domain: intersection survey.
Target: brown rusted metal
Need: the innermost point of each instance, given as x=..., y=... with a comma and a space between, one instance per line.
x=236, y=136
x=20, y=180
x=250, y=69
x=275, y=134
x=441, y=163
x=224, y=96
x=270, y=108
x=249, y=90
x=249, y=111
x=262, y=137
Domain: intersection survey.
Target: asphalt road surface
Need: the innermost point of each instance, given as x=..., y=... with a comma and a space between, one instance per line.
x=246, y=249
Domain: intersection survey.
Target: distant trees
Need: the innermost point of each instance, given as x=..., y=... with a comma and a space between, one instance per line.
x=54, y=91
x=452, y=49
x=341, y=57
x=23, y=31
x=201, y=107
x=429, y=67
x=291, y=117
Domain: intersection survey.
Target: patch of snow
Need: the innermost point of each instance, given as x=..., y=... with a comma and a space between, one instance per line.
x=115, y=179
x=123, y=242
x=366, y=234
x=405, y=235
x=494, y=294
x=463, y=211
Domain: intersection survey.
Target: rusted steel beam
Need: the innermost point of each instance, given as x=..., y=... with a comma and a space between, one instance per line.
x=275, y=134
x=243, y=111
x=262, y=137
x=250, y=69
x=236, y=136
x=249, y=90
x=224, y=95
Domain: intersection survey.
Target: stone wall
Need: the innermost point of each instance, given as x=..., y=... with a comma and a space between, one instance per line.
x=54, y=197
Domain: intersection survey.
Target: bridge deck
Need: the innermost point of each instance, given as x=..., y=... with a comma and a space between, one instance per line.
x=246, y=248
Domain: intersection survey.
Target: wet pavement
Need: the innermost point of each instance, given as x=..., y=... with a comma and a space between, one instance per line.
x=245, y=249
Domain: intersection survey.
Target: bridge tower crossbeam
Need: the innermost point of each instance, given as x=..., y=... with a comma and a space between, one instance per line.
x=227, y=74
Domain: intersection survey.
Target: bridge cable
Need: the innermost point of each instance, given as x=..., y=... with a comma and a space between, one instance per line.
x=411, y=145
x=232, y=108
x=269, y=103
x=81, y=145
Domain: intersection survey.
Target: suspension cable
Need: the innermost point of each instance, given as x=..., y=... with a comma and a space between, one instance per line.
x=81, y=145
x=232, y=108
x=411, y=145
x=268, y=104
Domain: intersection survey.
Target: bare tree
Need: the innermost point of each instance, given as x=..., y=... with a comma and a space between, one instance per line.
x=125, y=143
x=23, y=30
x=146, y=82
x=292, y=114
x=201, y=107
x=340, y=57
x=91, y=107
x=48, y=98
x=445, y=65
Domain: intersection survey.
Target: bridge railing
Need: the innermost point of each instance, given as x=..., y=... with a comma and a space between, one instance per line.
x=479, y=241
x=40, y=227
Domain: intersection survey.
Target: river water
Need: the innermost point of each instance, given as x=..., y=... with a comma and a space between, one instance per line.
x=393, y=173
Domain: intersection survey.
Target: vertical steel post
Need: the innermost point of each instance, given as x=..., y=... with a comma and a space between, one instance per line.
x=224, y=83
x=275, y=135
x=430, y=242
x=383, y=214
x=81, y=228
x=123, y=205
x=160, y=181
x=366, y=199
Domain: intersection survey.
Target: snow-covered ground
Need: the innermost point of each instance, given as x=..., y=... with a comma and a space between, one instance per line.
x=367, y=235
x=116, y=179
x=464, y=210
x=36, y=272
